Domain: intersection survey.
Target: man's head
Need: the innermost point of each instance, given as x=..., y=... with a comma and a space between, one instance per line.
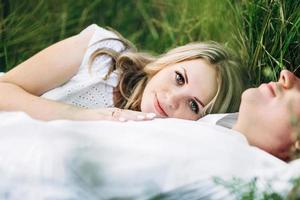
x=266, y=113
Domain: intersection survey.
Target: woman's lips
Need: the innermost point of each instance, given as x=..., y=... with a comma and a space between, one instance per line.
x=158, y=107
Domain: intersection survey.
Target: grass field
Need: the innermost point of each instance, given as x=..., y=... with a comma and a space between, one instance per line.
x=269, y=37
x=27, y=27
x=264, y=33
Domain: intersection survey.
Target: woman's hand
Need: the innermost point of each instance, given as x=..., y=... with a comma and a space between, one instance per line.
x=117, y=114
x=111, y=114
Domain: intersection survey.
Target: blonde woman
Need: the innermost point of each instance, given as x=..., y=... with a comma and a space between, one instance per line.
x=98, y=75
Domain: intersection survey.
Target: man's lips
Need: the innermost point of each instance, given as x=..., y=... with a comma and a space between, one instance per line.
x=270, y=87
x=158, y=107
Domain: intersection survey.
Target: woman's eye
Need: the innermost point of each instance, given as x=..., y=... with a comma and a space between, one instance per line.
x=194, y=106
x=179, y=78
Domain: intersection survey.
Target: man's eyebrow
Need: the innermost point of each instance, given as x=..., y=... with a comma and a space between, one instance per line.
x=185, y=76
x=200, y=102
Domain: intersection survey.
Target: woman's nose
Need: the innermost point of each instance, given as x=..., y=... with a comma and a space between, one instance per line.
x=174, y=99
x=286, y=79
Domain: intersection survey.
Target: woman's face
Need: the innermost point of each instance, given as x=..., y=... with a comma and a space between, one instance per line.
x=181, y=90
x=269, y=109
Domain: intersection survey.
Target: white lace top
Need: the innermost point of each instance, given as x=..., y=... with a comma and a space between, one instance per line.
x=88, y=89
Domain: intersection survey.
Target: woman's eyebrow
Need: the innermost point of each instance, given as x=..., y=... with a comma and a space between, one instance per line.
x=187, y=81
x=185, y=76
x=200, y=102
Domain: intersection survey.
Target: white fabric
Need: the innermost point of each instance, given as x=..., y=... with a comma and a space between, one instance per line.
x=103, y=159
x=227, y=120
x=89, y=90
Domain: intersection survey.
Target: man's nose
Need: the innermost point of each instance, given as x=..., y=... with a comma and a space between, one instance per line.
x=286, y=79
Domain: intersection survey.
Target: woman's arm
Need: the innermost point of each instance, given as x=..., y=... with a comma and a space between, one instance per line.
x=21, y=87
x=14, y=98
x=50, y=67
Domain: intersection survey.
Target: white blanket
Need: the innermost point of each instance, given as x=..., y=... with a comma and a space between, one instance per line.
x=137, y=160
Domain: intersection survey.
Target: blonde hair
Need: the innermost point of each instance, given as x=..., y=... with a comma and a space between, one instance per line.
x=137, y=68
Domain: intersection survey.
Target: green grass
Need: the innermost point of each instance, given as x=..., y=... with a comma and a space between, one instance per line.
x=268, y=37
x=251, y=190
x=265, y=33
x=29, y=26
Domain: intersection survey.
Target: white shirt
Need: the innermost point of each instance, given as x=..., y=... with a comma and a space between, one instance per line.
x=104, y=159
x=89, y=90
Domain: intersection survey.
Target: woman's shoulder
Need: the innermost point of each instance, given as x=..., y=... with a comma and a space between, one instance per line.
x=99, y=33
x=99, y=65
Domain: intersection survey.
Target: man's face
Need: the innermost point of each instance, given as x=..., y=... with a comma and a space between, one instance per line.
x=266, y=113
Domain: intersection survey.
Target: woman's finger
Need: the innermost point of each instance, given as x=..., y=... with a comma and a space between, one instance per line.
x=125, y=115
